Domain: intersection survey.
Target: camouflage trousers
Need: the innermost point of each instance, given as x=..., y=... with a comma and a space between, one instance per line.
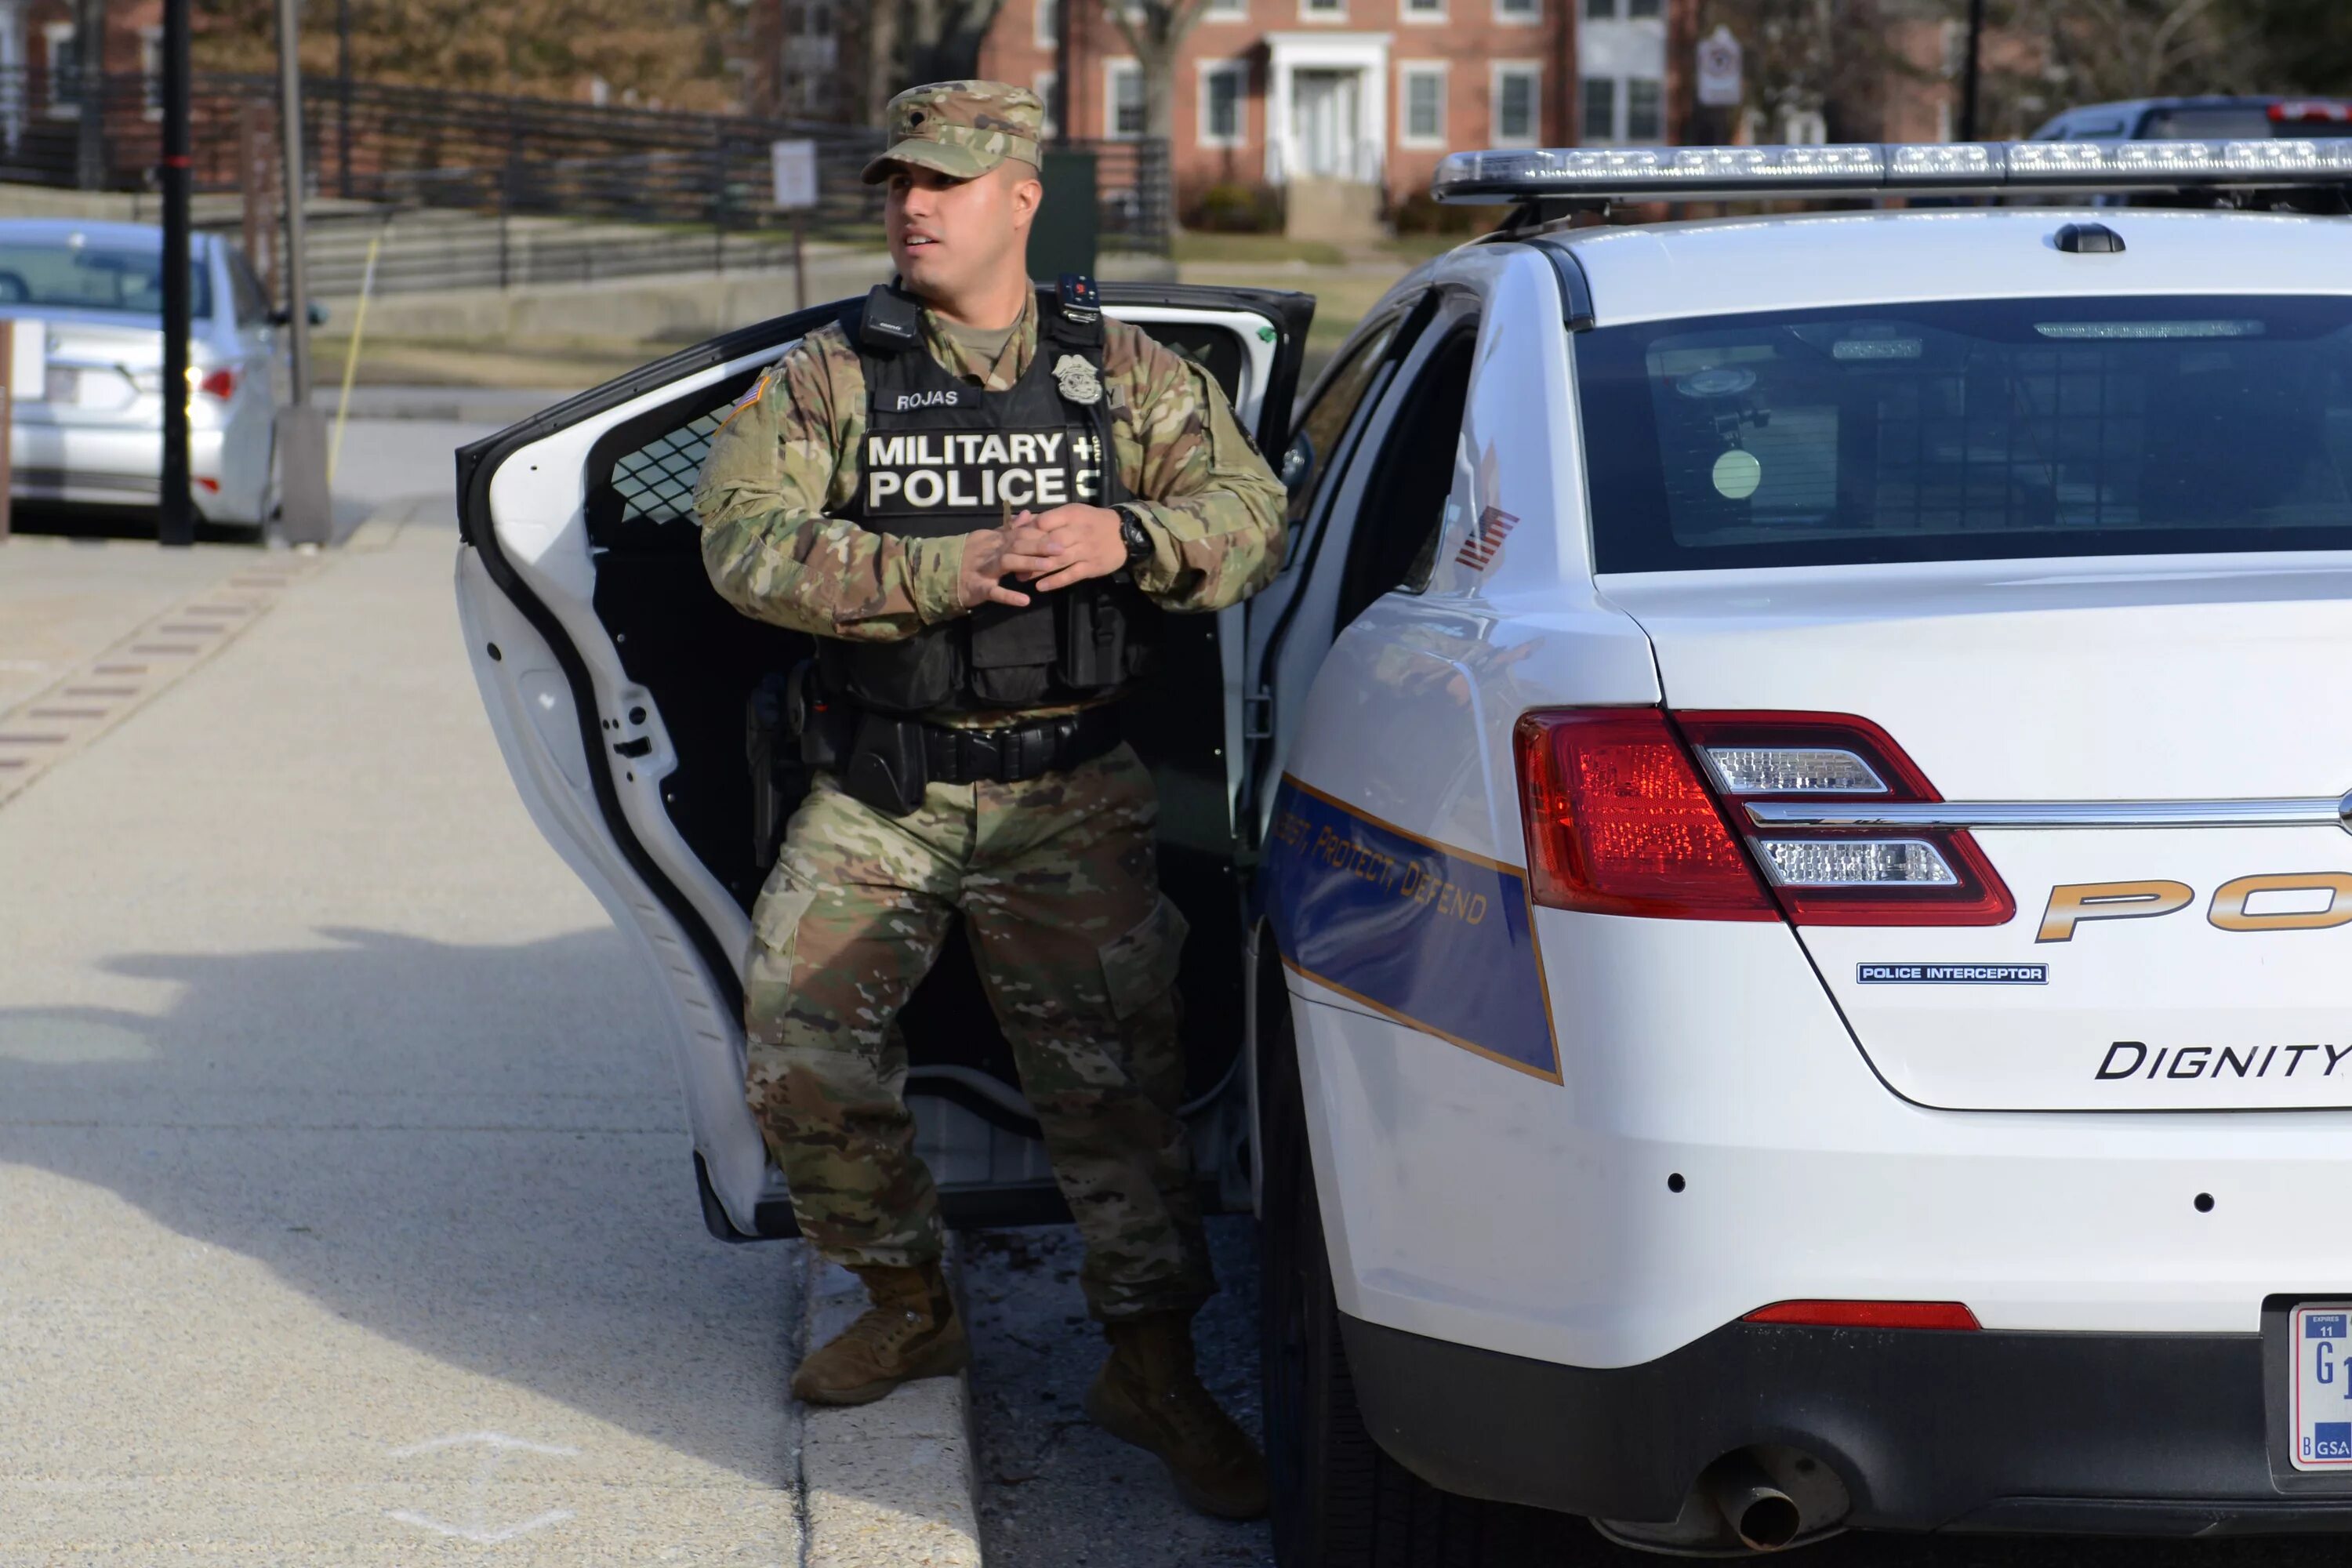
x=1078, y=950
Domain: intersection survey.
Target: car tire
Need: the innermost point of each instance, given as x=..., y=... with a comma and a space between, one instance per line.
x=1340, y=1501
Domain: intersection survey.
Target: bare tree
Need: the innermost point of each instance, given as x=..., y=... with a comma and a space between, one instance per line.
x=2065, y=52
x=909, y=42
x=1155, y=30
x=2306, y=46
x=1825, y=58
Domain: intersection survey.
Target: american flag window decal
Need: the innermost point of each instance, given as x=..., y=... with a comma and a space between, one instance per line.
x=1486, y=539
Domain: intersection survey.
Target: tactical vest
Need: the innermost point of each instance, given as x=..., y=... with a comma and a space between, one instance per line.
x=941, y=457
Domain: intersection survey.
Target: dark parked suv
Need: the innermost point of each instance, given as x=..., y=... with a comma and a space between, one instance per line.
x=2201, y=119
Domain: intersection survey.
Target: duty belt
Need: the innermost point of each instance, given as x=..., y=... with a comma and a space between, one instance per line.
x=1019, y=751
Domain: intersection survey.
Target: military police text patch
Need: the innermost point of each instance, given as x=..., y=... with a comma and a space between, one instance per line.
x=975, y=471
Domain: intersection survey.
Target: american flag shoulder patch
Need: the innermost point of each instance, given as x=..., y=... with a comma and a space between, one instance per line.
x=1486, y=538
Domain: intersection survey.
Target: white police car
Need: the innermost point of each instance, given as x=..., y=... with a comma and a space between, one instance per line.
x=1768, y=884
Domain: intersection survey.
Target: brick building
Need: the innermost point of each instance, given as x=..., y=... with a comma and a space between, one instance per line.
x=39, y=55
x=1369, y=92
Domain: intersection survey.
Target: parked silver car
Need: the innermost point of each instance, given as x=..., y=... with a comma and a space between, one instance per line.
x=91, y=430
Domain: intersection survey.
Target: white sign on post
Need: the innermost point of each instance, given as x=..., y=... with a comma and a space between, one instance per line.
x=1718, y=69
x=28, y=362
x=794, y=166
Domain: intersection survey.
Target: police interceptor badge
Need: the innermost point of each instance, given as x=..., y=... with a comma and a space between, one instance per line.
x=1951, y=975
x=1076, y=378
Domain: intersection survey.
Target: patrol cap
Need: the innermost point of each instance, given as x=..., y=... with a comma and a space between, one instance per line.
x=963, y=128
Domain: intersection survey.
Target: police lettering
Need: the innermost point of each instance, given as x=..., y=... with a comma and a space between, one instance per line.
x=2132, y=1059
x=977, y=471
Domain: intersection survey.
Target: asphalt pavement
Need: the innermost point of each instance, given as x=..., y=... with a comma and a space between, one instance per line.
x=349, y=1207
x=1055, y=1491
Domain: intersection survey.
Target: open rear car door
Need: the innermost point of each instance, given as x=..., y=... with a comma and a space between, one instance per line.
x=629, y=700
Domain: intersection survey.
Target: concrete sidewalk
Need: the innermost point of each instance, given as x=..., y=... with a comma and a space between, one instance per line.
x=349, y=1204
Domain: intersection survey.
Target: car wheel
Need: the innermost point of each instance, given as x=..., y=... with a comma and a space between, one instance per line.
x=1340, y=1501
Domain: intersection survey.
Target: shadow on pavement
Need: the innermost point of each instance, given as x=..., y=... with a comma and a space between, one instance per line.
x=100, y=522
x=475, y=1152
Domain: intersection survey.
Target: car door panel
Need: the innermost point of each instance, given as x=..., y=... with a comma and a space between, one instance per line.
x=584, y=557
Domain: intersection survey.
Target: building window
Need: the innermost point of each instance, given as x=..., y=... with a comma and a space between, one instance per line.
x=65, y=70
x=1049, y=22
x=1599, y=10
x=1323, y=10
x=1223, y=86
x=1226, y=11
x=1422, y=10
x=1645, y=110
x=1516, y=121
x=151, y=72
x=1644, y=10
x=1047, y=86
x=1421, y=113
x=1123, y=100
x=1521, y=11
x=1600, y=97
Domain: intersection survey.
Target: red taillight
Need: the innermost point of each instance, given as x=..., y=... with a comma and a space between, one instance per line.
x=1867, y=1315
x=218, y=384
x=1966, y=889
x=1619, y=822
x=2288, y=111
x=1632, y=811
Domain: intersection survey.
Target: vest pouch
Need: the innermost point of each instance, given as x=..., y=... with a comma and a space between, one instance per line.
x=1012, y=652
x=1093, y=638
x=913, y=675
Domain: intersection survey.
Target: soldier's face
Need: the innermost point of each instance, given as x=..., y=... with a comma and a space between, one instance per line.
x=949, y=237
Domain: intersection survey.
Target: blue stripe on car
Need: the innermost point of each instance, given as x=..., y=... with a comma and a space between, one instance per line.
x=1434, y=937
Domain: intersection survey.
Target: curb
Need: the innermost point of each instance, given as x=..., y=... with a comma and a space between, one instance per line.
x=892, y=1484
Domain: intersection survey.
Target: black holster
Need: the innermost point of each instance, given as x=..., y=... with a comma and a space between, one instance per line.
x=887, y=769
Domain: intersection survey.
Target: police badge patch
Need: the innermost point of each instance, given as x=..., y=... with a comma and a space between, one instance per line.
x=1076, y=379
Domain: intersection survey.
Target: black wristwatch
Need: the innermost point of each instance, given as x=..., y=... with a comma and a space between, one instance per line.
x=1135, y=536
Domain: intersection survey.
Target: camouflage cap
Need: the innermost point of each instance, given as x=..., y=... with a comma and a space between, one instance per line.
x=963, y=128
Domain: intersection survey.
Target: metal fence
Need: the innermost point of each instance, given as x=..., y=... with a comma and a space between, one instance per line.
x=421, y=252
x=408, y=147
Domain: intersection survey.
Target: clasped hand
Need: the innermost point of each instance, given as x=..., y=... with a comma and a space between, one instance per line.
x=1046, y=550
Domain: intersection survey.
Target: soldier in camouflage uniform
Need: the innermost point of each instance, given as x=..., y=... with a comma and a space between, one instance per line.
x=1054, y=874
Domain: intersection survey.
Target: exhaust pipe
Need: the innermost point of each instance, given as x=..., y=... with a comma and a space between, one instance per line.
x=1763, y=1516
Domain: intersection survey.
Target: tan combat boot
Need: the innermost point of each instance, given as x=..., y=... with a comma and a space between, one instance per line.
x=912, y=1331
x=1148, y=1394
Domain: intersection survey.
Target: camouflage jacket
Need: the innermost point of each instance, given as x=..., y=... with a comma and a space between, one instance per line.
x=788, y=456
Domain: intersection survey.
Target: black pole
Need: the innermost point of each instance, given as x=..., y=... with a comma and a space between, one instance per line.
x=344, y=97
x=177, y=522
x=1065, y=77
x=1968, y=86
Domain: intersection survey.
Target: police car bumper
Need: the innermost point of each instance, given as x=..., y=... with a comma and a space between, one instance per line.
x=2141, y=1433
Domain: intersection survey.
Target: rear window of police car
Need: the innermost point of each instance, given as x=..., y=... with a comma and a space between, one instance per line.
x=1971, y=430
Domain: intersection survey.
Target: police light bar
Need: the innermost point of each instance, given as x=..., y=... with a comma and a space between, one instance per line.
x=1887, y=168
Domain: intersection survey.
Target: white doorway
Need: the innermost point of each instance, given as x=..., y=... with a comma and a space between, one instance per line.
x=1327, y=123
x=1327, y=107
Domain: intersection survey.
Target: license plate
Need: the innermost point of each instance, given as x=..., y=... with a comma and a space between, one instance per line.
x=2319, y=1386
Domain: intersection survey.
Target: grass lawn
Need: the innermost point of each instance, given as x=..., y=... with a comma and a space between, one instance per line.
x=1191, y=245
x=565, y=365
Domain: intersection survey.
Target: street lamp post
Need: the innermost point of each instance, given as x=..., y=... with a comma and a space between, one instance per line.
x=176, y=524
x=1972, y=71
x=305, y=505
